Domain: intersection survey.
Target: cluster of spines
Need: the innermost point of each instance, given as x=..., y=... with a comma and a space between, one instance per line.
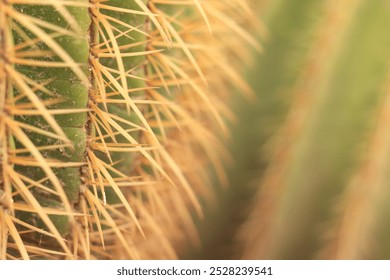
x=114, y=171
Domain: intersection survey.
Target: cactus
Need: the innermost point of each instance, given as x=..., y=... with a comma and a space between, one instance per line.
x=320, y=132
x=111, y=113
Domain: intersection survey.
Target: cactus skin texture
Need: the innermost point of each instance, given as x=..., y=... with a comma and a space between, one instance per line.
x=322, y=125
x=110, y=115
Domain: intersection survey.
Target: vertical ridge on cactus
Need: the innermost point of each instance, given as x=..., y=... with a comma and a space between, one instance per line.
x=109, y=118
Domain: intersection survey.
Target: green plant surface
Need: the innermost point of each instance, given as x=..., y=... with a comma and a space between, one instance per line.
x=66, y=88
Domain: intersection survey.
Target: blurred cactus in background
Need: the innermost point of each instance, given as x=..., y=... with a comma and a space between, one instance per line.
x=310, y=177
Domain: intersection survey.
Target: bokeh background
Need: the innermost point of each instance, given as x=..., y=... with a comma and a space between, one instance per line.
x=309, y=177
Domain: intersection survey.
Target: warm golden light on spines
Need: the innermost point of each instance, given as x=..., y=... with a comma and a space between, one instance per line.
x=171, y=140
